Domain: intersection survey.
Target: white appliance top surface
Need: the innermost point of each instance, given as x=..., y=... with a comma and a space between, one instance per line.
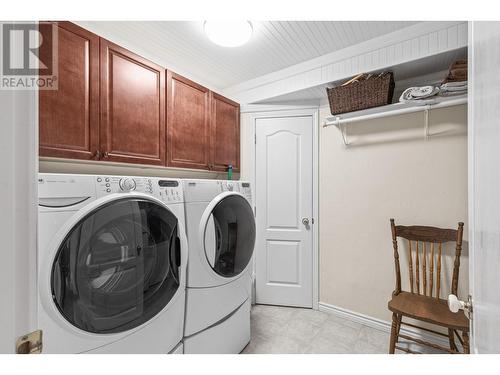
x=51, y=185
x=199, y=190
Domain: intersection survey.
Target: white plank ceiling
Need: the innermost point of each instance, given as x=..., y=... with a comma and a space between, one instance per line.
x=428, y=71
x=183, y=47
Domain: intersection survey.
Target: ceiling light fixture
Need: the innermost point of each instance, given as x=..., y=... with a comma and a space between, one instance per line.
x=228, y=33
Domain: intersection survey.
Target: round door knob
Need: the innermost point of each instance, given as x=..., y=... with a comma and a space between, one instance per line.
x=305, y=221
x=127, y=184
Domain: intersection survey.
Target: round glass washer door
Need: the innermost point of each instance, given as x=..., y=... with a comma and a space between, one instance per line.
x=229, y=236
x=118, y=266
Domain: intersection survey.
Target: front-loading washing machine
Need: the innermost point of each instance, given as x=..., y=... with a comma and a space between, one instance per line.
x=112, y=254
x=220, y=227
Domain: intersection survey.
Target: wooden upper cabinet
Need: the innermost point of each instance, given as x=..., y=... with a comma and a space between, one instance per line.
x=114, y=105
x=132, y=107
x=69, y=116
x=225, y=137
x=188, y=123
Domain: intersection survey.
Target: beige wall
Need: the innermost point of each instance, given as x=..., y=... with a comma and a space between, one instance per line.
x=390, y=170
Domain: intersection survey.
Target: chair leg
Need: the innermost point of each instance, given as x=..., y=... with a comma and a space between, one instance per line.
x=394, y=332
x=400, y=319
x=451, y=338
x=465, y=336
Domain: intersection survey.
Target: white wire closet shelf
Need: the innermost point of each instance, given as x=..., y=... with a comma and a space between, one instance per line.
x=395, y=109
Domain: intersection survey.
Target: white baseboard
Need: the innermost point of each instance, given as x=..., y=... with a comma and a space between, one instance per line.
x=381, y=325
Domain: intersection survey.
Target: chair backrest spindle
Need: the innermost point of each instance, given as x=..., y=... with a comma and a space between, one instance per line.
x=431, y=273
x=417, y=270
x=439, y=272
x=410, y=265
x=424, y=269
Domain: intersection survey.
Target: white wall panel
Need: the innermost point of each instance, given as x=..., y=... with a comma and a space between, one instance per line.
x=484, y=184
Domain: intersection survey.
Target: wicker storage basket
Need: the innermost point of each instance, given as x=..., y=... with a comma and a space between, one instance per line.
x=373, y=91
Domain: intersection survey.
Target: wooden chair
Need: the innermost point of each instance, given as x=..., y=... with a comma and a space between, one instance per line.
x=423, y=301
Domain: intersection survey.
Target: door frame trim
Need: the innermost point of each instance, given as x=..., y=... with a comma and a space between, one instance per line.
x=19, y=197
x=248, y=173
x=470, y=172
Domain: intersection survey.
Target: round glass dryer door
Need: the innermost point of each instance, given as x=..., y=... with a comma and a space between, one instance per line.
x=118, y=267
x=229, y=236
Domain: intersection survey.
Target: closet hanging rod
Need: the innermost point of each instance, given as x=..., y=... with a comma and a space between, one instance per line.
x=392, y=110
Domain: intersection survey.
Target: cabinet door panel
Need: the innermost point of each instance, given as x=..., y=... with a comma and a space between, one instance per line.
x=69, y=116
x=188, y=123
x=132, y=107
x=225, y=139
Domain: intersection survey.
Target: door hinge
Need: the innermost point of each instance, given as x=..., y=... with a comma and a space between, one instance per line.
x=30, y=343
x=469, y=307
x=312, y=220
x=470, y=315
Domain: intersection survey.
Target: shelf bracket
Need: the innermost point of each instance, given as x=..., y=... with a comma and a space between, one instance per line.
x=426, y=121
x=343, y=130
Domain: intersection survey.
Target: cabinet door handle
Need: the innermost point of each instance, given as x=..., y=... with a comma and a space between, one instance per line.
x=97, y=155
x=105, y=155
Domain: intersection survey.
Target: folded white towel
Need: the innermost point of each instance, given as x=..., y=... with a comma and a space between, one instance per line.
x=452, y=93
x=454, y=84
x=450, y=89
x=453, y=88
x=418, y=93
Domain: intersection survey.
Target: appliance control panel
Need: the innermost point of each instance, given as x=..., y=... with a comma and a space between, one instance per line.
x=229, y=185
x=170, y=190
x=246, y=190
x=118, y=184
x=167, y=190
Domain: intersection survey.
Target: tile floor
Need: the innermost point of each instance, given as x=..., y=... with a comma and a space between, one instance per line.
x=292, y=330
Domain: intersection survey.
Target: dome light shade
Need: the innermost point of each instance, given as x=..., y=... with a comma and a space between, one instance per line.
x=228, y=33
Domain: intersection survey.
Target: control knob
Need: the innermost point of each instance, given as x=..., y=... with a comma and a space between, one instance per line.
x=127, y=184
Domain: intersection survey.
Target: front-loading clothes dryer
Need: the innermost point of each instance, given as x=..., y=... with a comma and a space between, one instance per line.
x=220, y=227
x=112, y=254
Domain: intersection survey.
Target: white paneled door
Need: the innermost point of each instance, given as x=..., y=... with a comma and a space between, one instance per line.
x=284, y=206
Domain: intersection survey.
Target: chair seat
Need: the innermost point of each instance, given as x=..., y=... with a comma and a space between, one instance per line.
x=428, y=309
